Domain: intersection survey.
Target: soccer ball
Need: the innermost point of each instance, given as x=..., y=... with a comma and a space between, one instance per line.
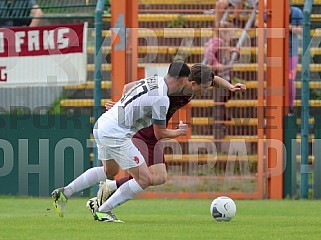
x=223, y=209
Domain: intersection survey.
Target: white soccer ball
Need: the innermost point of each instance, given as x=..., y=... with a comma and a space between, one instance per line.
x=223, y=209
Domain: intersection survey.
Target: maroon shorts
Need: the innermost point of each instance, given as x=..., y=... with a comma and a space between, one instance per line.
x=145, y=140
x=150, y=148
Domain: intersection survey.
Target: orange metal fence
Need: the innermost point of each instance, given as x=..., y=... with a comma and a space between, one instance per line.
x=224, y=154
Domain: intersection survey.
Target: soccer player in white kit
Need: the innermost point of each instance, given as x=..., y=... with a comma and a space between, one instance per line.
x=145, y=104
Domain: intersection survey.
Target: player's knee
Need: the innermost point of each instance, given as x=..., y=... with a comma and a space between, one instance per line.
x=149, y=180
x=163, y=178
x=160, y=179
x=111, y=172
x=144, y=181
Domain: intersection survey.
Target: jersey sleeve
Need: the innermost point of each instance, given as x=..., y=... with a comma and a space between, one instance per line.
x=159, y=110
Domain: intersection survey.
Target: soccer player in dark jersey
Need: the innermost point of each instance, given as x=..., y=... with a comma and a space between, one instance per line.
x=147, y=143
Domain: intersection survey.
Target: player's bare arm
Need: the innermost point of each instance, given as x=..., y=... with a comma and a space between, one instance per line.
x=128, y=86
x=221, y=82
x=162, y=132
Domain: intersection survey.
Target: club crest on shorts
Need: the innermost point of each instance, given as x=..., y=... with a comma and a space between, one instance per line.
x=136, y=159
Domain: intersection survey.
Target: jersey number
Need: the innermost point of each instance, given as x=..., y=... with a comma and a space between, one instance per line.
x=135, y=92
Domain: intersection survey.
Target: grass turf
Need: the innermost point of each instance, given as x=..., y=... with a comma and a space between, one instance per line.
x=33, y=218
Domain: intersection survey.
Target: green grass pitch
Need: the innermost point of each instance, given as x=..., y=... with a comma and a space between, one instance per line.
x=33, y=218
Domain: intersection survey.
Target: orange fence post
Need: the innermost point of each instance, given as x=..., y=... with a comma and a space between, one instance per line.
x=275, y=93
x=118, y=51
x=124, y=56
x=132, y=45
x=286, y=58
x=140, y=72
x=261, y=161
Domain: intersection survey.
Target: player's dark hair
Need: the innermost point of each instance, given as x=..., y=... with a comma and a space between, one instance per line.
x=201, y=73
x=178, y=69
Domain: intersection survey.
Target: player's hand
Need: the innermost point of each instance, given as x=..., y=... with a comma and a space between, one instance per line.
x=238, y=87
x=182, y=132
x=109, y=105
x=183, y=127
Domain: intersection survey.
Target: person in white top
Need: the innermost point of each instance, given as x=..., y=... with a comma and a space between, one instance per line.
x=146, y=103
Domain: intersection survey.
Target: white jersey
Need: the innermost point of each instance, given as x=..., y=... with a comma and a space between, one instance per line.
x=146, y=103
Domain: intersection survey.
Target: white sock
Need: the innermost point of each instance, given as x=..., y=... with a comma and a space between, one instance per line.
x=124, y=193
x=113, y=186
x=85, y=180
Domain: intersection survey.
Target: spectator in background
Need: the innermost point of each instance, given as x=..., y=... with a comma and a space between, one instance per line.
x=295, y=28
x=28, y=11
x=217, y=52
x=222, y=5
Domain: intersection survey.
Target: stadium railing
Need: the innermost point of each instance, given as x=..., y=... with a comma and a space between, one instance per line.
x=239, y=108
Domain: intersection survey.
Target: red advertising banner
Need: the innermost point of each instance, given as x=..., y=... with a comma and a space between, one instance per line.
x=54, y=55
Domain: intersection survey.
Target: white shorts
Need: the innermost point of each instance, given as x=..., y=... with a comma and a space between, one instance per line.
x=123, y=151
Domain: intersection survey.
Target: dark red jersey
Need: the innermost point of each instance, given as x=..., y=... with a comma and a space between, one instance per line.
x=145, y=139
